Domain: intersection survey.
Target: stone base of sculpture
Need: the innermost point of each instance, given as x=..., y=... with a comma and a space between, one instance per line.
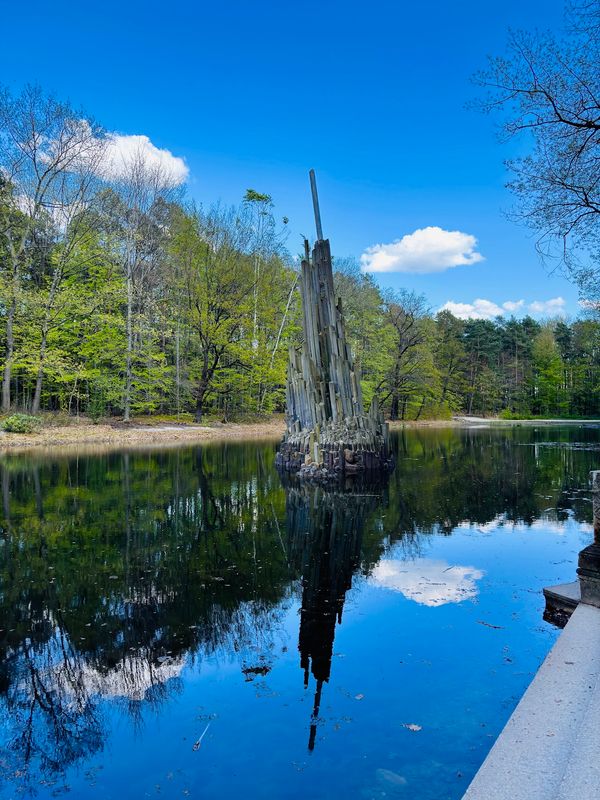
x=335, y=450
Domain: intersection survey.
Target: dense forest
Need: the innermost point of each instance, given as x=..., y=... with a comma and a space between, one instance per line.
x=120, y=297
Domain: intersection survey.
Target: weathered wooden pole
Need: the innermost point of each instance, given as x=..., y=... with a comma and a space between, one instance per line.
x=589, y=557
x=315, y=199
x=328, y=432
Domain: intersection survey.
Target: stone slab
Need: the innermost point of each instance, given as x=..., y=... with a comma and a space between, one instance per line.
x=581, y=780
x=566, y=594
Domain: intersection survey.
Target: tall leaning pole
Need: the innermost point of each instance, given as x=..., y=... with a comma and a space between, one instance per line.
x=328, y=434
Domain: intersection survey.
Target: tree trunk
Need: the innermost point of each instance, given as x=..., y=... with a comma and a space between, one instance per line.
x=37, y=396
x=208, y=370
x=199, y=404
x=470, y=406
x=395, y=406
x=10, y=349
x=129, y=358
x=404, y=404
x=72, y=395
x=201, y=393
x=177, y=372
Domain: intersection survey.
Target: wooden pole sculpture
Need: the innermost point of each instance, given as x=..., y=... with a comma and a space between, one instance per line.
x=328, y=432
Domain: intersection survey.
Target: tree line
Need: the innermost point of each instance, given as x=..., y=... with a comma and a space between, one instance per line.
x=423, y=365
x=120, y=297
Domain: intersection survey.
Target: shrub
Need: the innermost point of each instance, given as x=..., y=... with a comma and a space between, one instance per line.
x=434, y=411
x=21, y=423
x=506, y=413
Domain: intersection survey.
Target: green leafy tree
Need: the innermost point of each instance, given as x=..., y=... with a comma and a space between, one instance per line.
x=549, y=392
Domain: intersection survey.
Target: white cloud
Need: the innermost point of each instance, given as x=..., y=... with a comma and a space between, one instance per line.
x=478, y=309
x=428, y=582
x=552, y=307
x=122, y=152
x=111, y=157
x=513, y=305
x=430, y=249
x=487, y=309
x=60, y=214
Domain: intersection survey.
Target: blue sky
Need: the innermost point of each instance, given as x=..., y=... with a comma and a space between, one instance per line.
x=372, y=95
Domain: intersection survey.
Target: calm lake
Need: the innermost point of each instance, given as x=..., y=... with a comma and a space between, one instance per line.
x=178, y=622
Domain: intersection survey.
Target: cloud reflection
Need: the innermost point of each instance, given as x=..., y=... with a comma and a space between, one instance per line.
x=427, y=581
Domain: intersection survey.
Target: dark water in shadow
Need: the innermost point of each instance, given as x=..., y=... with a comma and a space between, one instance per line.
x=178, y=623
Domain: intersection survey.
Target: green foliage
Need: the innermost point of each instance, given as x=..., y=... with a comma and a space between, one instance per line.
x=21, y=423
x=252, y=196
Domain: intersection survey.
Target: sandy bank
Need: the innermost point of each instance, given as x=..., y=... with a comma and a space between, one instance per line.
x=136, y=434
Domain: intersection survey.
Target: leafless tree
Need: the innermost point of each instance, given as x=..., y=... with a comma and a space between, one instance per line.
x=405, y=312
x=50, y=156
x=548, y=90
x=141, y=189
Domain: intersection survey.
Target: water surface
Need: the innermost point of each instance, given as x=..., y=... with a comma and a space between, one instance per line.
x=179, y=623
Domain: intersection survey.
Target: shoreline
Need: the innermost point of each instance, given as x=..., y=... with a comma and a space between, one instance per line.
x=116, y=435
x=136, y=435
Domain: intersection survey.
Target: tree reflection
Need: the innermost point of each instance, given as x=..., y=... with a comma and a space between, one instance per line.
x=56, y=722
x=115, y=574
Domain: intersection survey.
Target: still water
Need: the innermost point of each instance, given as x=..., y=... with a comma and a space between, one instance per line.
x=178, y=623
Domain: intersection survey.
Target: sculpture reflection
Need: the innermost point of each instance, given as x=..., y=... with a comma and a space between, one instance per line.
x=325, y=532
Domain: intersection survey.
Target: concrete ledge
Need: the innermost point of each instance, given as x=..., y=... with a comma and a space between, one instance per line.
x=549, y=747
x=561, y=601
x=565, y=595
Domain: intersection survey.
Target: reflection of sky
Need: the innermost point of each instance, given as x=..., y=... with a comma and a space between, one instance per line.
x=545, y=524
x=67, y=675
x=427, y=581
x=132, y=678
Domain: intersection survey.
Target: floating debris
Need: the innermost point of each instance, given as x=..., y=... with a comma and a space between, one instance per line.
x=251, y=672
x=198, y=742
